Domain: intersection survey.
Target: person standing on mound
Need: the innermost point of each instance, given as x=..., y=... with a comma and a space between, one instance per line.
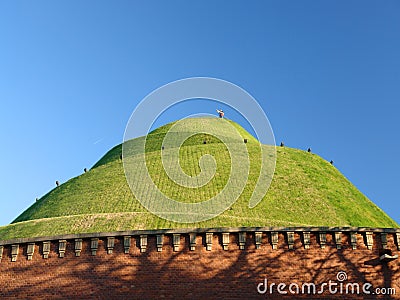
x=220, y=113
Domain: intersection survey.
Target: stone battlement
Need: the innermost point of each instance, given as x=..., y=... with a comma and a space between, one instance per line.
x=290, y=238
x=201, y=263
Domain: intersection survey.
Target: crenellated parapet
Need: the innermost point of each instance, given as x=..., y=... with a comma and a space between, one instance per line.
x=209, y=239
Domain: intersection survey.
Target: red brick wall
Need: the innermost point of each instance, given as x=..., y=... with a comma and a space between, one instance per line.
x=198, y=274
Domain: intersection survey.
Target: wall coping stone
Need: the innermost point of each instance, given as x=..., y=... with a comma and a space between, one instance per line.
x=195, y=230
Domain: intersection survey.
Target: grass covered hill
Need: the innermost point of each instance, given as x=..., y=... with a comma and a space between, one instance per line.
x=306, y=190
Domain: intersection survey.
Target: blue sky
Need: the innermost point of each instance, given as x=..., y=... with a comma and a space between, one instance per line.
x=327, y=74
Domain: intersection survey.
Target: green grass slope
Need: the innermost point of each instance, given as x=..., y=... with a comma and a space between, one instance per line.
x=306, y=191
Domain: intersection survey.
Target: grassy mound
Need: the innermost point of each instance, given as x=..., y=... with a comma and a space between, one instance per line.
x=306, y=191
